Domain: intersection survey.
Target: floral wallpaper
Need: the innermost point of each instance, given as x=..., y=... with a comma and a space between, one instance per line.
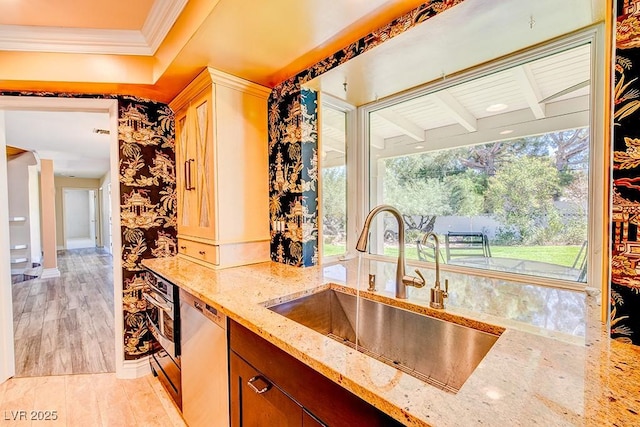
x=625, y=217
x=293, y=145
x=148, y=205
x=146, y=133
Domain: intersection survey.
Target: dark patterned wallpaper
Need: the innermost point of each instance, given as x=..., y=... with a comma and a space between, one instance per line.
x=147, y=198
x=293, y=145
x=625, y=280
x=148, y=205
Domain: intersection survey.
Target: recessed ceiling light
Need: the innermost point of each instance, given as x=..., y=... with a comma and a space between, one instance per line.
x=494, y=108
x=506, y=132
x=419, y=147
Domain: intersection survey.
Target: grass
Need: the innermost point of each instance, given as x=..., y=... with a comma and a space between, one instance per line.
x=560, y=255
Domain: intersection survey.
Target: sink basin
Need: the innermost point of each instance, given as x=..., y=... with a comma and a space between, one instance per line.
x=438, y=352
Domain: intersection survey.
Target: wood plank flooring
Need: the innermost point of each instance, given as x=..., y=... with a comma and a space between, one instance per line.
x=96, y=400
x=65, y=325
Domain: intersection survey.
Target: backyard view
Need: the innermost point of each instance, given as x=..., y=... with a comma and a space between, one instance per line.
x=527, y=197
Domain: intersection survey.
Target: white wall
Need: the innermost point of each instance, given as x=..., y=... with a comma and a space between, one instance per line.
x=18, y=194
x=34, y=213
x=7, y=363
x=76, y=213
x=105, y=212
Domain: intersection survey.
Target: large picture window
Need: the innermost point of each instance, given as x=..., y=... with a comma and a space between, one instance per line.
x=497, y=166
x=496, y=161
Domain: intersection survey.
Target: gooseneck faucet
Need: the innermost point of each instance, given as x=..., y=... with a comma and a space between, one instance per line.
x=402, y=280
x=437, y=294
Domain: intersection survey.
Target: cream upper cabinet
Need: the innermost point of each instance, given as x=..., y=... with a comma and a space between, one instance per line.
x=222, y=170
x=195, y=166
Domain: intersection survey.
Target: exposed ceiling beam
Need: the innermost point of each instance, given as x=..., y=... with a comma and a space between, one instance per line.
x=332, y=144
x=568, y=114
x=450, y=104
x=405, y=126
x=530, y=90
x=376, y=141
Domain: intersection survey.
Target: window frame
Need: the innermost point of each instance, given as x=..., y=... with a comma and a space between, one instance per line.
x=351, y=125
x=598, y=158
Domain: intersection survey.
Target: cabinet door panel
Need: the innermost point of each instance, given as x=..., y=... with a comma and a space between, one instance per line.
x=182, y=169
x=251, y=408
x=195, y=152
x=203, y=141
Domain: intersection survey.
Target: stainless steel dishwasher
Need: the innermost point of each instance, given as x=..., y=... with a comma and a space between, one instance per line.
x=205, y=374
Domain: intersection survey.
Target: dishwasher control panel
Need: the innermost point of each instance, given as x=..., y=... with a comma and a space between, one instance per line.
x=208, y=311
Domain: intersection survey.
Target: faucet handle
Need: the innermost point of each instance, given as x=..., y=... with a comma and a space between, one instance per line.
x=438, y=295
x=416, y=282
x=420, y=276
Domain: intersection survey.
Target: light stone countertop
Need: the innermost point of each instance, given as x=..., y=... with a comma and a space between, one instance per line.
x=539, y=372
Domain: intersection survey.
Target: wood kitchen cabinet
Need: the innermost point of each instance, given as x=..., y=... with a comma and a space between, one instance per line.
x=222, y=170
x=269, y=387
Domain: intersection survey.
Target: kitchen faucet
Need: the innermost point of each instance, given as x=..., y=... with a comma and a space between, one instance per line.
x=437, y=294
x=402, y=280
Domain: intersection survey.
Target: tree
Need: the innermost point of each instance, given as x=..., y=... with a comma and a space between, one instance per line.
x=570, y=147
x=485, y=158
x=334, y=201
x=419, y=200
x=521, y=196
x=466, y=193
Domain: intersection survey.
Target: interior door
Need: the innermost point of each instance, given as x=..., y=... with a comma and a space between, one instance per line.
x=92, y=217
x=79, y=218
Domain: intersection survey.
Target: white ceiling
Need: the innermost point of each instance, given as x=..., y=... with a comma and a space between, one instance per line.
x=65, y=137
x=471, y=33
x=457, y=115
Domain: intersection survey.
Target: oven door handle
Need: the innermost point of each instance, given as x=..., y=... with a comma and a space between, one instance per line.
x=168, y=345
x=155, y=302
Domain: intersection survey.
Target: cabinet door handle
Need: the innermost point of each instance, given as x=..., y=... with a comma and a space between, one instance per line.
x=201, y=252
x=265, y=387
x=187, y=175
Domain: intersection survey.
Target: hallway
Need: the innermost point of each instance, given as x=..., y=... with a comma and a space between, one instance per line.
x=65, y=325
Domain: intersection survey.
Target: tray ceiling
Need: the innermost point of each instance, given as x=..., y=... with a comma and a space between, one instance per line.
x=115, y=27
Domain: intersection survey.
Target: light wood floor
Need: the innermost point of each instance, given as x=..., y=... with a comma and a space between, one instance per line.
x=65, y=325
x=96, y=400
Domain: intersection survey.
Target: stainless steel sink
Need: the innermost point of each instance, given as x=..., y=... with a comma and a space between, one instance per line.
x=440, y=353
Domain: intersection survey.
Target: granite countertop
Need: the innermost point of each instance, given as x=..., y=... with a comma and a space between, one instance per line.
x=553, y=365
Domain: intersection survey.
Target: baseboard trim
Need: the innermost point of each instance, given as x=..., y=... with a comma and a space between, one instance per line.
x=49, y=273
x=132, y=369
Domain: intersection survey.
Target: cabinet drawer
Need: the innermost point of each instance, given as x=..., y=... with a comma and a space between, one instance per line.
x=200, y=251
x=256, y=401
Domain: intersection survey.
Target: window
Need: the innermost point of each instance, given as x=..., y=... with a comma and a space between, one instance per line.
x=497, y=165
x=333, y=179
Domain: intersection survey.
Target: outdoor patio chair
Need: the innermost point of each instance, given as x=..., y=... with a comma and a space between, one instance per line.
x=466, y=244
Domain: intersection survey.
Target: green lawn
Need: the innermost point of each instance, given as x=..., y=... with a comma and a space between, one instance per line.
x=561, y=255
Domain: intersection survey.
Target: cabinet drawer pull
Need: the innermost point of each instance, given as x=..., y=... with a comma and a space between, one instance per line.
x=183, y=247
x=201, y=252
x=265, y=387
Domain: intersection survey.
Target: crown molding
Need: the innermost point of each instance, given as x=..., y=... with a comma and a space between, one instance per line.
x=163, y=14
x=144, y=42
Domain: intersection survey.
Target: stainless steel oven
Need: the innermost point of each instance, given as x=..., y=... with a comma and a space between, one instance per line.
x=163, y=321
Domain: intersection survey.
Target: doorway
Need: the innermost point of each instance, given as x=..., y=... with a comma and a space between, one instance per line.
x=80, y=218
x=114, y=300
